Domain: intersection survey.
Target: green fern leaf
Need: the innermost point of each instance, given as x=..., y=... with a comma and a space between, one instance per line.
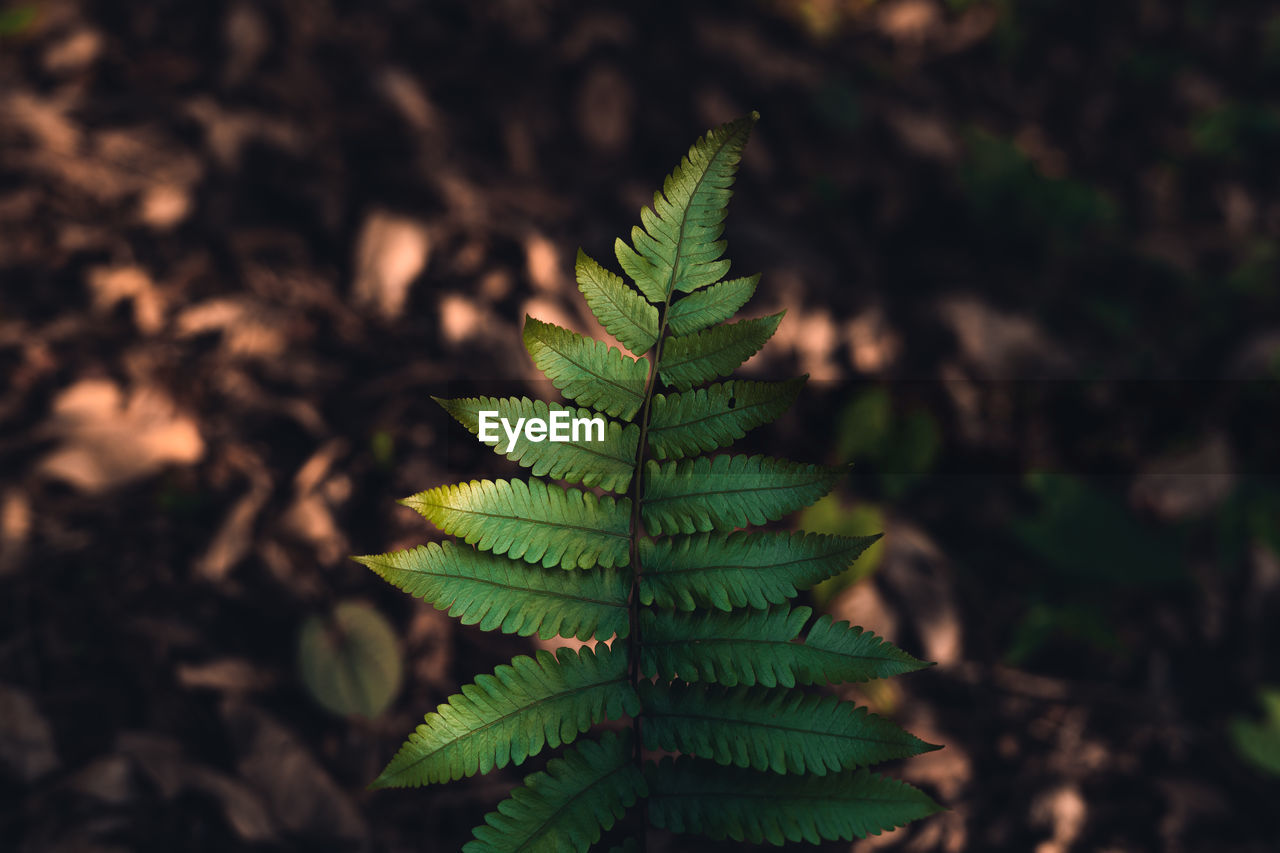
x=740, y=569
x=566, y=806
x=835, y=652
x=694, y=359
x=502, y=594
x=751, y=647
x=713, y=305
x=727, y=492
x=679, y=247
x=778, y=730
x=587, y=371
x=697, y=421
x=623, y=312
x=690, y=795
x=706, y=651
x=506, y=717
x=607, y=464
x=536, y=521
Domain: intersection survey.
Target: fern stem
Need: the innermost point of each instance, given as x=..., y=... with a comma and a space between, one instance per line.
x=637, y=489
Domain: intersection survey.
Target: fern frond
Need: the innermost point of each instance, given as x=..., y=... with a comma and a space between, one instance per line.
x=565, y=807
x=624, y=313
x=713, y=305
x=751, y=647
x=608, y=464
x=702, y=356
x=587, y=371
x=535, y=521
x=691, y=795
x=679, y=247
x=778, y=730
x=727, y=492
x=512, y=714
x=697, y=421
x=512, y=597
x=740, y=569
x=706, y=651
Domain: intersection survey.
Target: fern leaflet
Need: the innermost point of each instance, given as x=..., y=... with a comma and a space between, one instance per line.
x=607, y=464
x=567, y=805
x=512, y=714
x=778, y=730
x=711, y=353
x=707, y=418
x=586, y=371
x=623, y=312
x=741, y=569
x=727, y=492
x=714, y=305
x=496, y=593
x=689, y=795
x=757, y=647
x=535, y=520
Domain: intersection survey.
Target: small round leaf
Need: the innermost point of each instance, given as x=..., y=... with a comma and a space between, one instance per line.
x=351, y=662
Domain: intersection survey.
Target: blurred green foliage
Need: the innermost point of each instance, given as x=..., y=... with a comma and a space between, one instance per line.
x=1258, y=741
x=1093, y=549
x=1079, y=623
x=17, y=20
x=1271, y=41
x=1250, y=515
x=902, y=446
x=1236, y=131
x=350, y=660
x=1089, y=538
x=382, y=444
x=836, y=103
x=832, y=515
x=1259, y=270
x=1008, y=191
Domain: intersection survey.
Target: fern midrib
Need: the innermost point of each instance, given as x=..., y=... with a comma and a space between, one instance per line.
x=637, y=569
x=519, y=710
x=637, y=477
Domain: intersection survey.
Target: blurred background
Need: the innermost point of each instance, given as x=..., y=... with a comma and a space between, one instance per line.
x=1029, y=251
